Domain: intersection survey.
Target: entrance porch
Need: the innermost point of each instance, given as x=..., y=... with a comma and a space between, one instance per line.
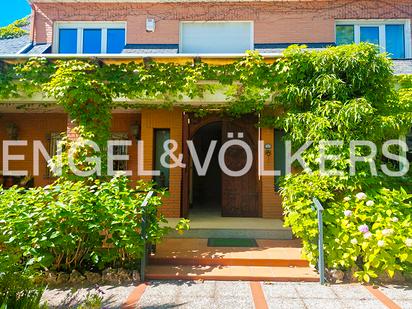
x=210, y=224
x=249, y=196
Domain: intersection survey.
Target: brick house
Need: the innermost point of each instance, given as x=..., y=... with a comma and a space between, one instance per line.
x=184, y=30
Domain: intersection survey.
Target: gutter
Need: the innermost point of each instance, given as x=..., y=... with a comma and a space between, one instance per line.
x=25, y=49
x=33, y=22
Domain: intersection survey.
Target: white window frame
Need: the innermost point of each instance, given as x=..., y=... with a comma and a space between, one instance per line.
x=251, y=22
x=120, y=150
x=80, y=26
x=381, y=23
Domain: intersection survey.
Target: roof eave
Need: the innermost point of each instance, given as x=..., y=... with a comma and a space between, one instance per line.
x=124, y=58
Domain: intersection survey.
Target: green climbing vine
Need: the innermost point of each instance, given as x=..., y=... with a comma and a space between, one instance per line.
x=342, y=93
x=304, y=85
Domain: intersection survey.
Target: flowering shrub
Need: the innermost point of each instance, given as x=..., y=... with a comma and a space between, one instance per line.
x=347, y=94
x=370, y=231
x=79, y=225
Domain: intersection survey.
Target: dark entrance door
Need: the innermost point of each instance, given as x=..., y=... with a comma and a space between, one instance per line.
x=239, y=196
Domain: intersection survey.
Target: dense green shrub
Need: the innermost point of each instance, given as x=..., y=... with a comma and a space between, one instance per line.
x=370, y=231
x=79, y=224
x=347, y=94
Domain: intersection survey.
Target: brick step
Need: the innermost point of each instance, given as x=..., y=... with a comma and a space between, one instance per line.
x=277, y=253
x=232, y=273
x=228, y=262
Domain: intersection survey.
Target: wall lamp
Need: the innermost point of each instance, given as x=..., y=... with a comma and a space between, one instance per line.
x=135, y=129
x=268, y=149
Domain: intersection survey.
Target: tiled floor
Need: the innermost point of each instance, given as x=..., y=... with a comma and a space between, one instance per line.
x=214, y=220
x=238, y=295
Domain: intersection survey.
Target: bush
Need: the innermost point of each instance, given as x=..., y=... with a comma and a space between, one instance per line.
x=77, y=225
x=346, y=93
x=14, y=30
x=370, y=231
x=17, y=287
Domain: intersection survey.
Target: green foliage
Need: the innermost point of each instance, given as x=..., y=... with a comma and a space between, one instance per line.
x=405, y=91
x=387, y=214
x=79, y=225
x=343, y=93
x=11, y=31
x=14, y=30
x=346, y=93
x=79, y=155
x=92, y=301
x=25, y=21
x=17, y=286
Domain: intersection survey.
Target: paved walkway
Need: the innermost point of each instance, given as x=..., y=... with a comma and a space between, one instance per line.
x=238, y=295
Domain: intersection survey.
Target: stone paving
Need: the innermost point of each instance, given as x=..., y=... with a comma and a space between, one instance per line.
x=62, y=298
x=193, y=295
x=312, y=295
x=401, y=295
x=238, y=295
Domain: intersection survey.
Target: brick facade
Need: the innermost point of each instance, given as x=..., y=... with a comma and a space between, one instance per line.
x=274, y=21
x=31, y=127
x=287, y=21
x=36, y=126
x=164, y=119
x=271, y=200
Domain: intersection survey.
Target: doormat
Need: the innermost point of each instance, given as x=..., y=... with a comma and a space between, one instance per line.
x=232, y=242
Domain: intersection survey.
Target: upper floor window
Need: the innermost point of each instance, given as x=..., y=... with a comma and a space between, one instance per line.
x=392, y=36
x=216, y=37
x=89, y=38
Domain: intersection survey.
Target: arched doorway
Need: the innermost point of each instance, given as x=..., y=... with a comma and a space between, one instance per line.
x=217, y=192
x=206, y=190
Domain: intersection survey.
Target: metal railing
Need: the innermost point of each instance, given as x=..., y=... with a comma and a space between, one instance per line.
x=321, y=260
x=143, y=261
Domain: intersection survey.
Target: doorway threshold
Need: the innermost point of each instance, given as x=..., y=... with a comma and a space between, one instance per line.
x=212, y=224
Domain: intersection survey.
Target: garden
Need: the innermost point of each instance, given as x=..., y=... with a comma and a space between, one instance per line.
x=87, y=226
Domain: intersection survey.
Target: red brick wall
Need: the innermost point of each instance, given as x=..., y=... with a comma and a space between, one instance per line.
x=31, y=126
x=122, y=123
x=275, y=22
x=271, y=200
x=37, y=126
x=164, y=119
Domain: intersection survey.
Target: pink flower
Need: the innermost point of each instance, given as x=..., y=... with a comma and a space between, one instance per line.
x=367, y=235
x=370, y=203
x=381, y=243
x=387, y=232
x=361, y=196
x=347, y=213
x=363, y=228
